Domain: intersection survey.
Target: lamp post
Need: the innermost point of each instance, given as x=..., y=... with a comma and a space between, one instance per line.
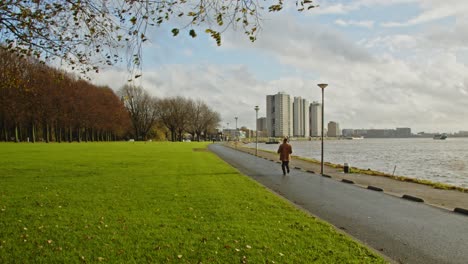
x=322, y=86
x=227, y=130
x=237, y=137
x=256, y=130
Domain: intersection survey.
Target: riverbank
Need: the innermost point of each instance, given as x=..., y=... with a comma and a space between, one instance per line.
x=449, y=199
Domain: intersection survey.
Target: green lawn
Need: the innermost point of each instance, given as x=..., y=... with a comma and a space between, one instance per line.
x=150, y=203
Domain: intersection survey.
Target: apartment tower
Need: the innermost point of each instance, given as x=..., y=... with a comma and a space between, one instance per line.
x=301, y=117
x=279, y=115
x=315, y=119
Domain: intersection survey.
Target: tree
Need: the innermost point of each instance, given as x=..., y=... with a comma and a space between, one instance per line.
x=174, y=113
x=143, y=109
x=39, y=102
x=202, y=119
x=89, y=33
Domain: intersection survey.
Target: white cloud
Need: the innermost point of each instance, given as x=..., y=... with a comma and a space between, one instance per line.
x=384, y=81
x=420, y=90
x=364, y=23
x=332, y=7
x=434, y=10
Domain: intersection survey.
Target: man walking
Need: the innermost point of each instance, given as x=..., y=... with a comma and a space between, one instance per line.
x=285, y=151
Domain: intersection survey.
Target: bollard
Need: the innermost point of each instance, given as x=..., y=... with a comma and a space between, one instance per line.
x=346, y=168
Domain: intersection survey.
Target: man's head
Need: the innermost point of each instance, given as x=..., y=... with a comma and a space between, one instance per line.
x=285, y=140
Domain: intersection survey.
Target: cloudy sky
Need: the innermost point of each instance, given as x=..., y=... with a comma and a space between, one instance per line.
x=388, y=63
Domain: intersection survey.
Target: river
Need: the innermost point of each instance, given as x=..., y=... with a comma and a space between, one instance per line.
x=444, y=161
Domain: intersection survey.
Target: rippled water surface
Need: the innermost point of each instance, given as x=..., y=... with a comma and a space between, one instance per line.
x=444, y=161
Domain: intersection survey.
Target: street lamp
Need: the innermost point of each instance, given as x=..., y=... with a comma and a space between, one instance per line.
x=256, y=130
x=322, y=86
x=237, y=137
x=227, y=130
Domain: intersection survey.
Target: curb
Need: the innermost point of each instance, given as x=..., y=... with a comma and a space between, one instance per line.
x=460, y=211
x=412, y=198
x=325, y=175
x=347, y=181
x=377, y=189
x=297, y=168
x=311, y=171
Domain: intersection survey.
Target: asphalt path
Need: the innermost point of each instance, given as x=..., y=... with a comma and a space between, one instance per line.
x=403, y=230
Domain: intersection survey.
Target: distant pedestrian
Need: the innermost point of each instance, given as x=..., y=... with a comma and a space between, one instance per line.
x=285, y=151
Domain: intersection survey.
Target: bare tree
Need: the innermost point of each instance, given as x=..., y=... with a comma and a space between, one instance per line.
x=143, y=109
x=202, y=118
x=174, y=113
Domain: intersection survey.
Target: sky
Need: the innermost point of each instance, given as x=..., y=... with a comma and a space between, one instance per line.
x=387, y=63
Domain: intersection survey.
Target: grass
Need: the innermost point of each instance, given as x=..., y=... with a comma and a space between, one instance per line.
x=151, y=203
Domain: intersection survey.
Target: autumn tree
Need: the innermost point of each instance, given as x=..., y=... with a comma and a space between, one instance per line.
x=90, y=33
x=39, y=102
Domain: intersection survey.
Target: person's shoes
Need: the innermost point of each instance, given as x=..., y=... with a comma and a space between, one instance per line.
x=284, y=173
x=288, y=170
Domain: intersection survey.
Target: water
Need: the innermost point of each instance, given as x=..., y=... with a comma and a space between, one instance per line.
x=444, y=161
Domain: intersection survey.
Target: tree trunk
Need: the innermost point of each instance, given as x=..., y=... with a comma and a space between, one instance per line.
x=16, y=133
x=60, y=134
x=33, y=132
x=47, y=135
x=78, y=133
x=5, y=131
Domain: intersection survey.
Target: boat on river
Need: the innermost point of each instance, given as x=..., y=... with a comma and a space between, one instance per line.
x=352, y=138
x=440, y=136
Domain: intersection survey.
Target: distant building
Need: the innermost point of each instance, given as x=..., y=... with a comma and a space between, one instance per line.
x=403, y=132
x=230, y=134
x=262, y=127
x=333, y=129
x=279, y=115
x=380, y=133
x=360, y=132
x=347, y=132
x=315, y=119
x=301, y=117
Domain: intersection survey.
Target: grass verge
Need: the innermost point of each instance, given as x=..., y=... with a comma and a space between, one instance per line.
x=155, y=203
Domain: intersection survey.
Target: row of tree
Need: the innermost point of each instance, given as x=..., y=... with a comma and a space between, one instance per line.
x=38, y=102
x=178, y=115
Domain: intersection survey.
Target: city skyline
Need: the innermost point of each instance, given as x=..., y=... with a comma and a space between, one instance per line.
x=387, y=63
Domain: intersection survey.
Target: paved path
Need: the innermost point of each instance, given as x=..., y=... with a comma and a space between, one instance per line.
x=403, y=230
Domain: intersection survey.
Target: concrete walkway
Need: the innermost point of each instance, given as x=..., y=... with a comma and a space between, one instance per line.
x=448, y=199
x=403, y=230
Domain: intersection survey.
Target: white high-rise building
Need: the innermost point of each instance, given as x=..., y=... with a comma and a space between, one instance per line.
x=279, y=115
x=301, y=117
x=315, y=119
